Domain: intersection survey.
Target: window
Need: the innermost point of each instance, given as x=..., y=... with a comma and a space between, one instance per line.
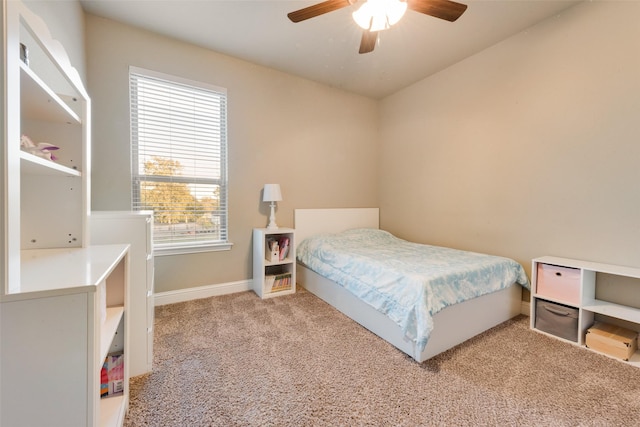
x=179, y=160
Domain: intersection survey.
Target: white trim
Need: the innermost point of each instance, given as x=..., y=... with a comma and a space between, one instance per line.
x=165, y=250
x=181, y=295
x=176, y=79
x=526, y=308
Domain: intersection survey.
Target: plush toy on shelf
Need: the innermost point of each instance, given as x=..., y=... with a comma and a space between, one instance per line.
x=42, y=149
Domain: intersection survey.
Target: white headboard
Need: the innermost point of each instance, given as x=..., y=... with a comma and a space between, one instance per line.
x=308, y=222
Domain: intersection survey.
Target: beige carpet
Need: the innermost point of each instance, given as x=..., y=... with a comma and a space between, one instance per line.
x=236, y=360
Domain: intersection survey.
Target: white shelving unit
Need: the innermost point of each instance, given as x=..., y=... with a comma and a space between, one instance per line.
x=136, y=229
x=265, y=269
x=56, y=332
x=64, y=304
x=594, y=302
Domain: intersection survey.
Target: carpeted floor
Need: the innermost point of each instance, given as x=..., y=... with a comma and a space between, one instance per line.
x=236, y=360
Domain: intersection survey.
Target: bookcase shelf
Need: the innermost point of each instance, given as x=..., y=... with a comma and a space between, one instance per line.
x=42, y=103
x=34, y=165
x=591, y=279
x=57, y=328
x=273, y=277
x=109, y=328
x=112, y=410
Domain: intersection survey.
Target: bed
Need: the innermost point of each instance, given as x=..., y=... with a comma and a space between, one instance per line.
x=448, y=327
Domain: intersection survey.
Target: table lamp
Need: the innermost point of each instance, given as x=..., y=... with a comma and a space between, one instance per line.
x=272, y=194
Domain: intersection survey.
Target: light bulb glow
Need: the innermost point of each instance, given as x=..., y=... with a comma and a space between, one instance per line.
x=377, y=15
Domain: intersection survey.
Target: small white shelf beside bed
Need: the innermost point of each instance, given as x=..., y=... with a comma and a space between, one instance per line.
x=453, y=325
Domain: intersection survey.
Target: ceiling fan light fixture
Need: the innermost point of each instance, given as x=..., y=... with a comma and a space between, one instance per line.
x=378, y=15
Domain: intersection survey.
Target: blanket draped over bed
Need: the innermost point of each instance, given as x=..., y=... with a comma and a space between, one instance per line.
x=408, y=282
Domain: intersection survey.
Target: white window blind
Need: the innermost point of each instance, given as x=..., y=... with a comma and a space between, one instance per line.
x=179, y=158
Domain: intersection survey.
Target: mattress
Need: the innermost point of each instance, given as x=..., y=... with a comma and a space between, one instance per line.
x=406, y=281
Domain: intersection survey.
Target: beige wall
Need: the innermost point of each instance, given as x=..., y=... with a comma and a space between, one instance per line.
x=318, y=143
x=529, y=148
x=526, y=149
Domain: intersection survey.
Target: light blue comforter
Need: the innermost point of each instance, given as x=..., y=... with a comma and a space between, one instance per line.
x=409, y=282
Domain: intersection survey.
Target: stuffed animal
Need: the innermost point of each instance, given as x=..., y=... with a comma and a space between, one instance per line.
x=42, y=149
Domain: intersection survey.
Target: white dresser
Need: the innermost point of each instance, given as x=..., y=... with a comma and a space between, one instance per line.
x=136, y=229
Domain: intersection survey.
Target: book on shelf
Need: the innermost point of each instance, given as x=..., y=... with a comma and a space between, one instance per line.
x=112, y=375
x=278, y=282
x=283, y=244
x=104, y=378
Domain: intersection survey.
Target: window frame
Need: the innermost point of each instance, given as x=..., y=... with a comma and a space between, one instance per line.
x=175, y=248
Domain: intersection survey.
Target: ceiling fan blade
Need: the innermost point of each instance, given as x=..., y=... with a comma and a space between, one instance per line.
x=317, y=9
x=368, y=42
x=443, y=9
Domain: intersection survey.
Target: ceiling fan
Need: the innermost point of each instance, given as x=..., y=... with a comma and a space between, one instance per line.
x=377, y=15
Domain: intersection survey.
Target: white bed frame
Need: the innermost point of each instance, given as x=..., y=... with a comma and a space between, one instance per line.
x=453, y=325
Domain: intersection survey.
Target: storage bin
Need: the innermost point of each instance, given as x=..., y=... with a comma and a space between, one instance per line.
x=612, y=340
x=561, y=283
x=557, y=319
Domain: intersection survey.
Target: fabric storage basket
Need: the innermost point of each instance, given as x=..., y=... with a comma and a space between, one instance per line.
x=557, y=319
x=561, y=283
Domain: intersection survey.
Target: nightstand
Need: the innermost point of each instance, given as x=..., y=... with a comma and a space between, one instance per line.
x=274, y=262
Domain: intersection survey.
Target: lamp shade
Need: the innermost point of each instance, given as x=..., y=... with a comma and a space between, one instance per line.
x=271, y=193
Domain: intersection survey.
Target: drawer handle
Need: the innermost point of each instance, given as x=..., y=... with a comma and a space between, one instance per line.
x=556, y=311
x=558, y=274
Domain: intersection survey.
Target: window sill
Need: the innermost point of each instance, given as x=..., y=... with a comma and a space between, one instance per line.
x=190, y=249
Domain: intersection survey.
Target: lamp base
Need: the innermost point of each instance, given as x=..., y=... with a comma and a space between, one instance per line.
x=272, y=218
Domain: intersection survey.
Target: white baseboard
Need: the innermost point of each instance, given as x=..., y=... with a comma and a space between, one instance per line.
x=526, y=308
x=181, y=295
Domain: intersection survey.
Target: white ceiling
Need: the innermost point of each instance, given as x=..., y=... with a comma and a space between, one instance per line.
x=325, y=48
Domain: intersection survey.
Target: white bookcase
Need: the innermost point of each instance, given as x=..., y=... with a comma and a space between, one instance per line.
x=63, y=303
x=273, y=276
x=595, y=301
x=56, y=333
x=136, y=229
